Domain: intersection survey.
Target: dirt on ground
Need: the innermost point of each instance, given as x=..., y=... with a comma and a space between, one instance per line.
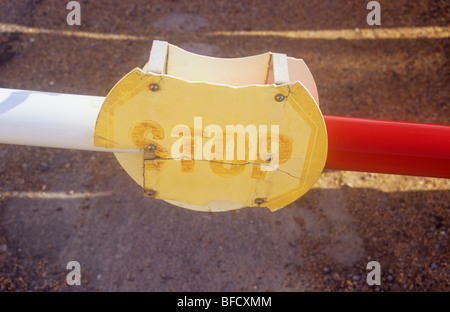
x=58, y=206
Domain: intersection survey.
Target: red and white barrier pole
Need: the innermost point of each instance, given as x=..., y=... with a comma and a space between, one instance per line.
x=354, y=144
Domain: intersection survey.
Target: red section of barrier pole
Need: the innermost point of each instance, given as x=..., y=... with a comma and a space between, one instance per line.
x=381, y=146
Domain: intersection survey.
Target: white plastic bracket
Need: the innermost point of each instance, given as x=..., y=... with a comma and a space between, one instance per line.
x=158, y=57
x=280, y=68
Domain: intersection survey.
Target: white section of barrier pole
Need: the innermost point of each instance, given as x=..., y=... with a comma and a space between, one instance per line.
x=50, y=120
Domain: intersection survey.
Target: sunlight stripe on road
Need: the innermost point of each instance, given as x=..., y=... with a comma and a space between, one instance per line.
x=12, y=28
x=53, y=195
x=431, y=32
x=332, y=179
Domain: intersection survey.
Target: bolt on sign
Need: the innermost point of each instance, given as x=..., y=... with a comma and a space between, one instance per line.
x=217, y=134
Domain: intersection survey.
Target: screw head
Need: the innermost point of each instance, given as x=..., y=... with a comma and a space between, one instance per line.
x=150, y=193
x=259, y=201
x=269, y=158
x=151, y=147
x=279, y=97
x=154, y=87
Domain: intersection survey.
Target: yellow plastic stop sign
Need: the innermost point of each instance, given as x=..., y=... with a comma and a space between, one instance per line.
x=214, y=146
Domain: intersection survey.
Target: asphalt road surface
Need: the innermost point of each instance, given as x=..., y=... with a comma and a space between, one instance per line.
x=58, y=206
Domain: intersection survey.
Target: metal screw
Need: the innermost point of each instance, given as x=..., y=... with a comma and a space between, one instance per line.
x=259, y=201
x=150, y=152
x=154, y=87
x=150, y=193
x=151, y=147
x=269, y=158
x=279, y=97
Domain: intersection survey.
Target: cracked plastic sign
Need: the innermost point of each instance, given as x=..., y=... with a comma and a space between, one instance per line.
x=150, y=112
